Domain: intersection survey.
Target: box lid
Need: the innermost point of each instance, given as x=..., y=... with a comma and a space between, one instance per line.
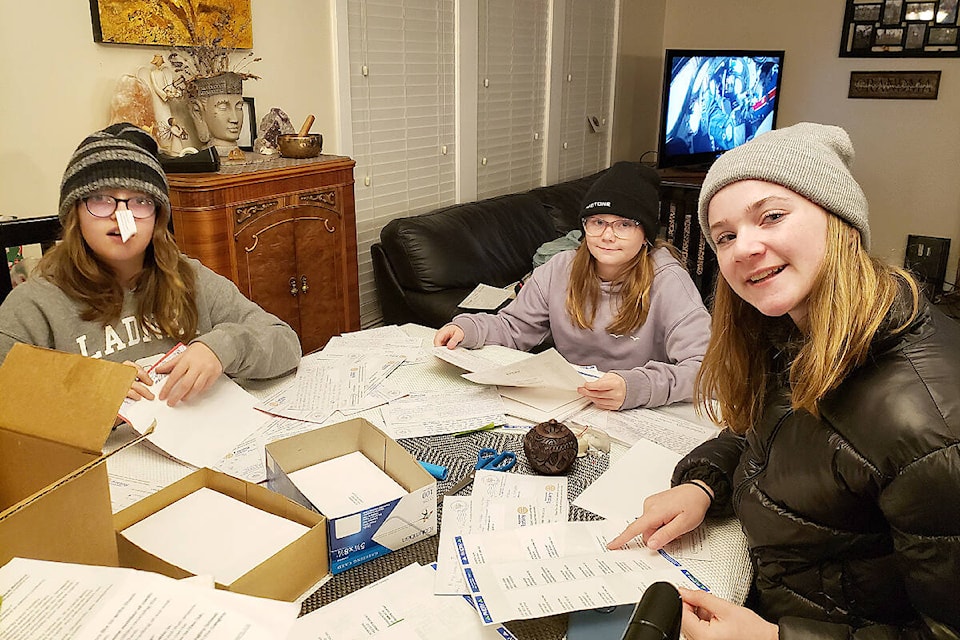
x=61, y=397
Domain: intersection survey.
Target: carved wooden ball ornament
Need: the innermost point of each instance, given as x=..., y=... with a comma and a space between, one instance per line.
x=550, y=448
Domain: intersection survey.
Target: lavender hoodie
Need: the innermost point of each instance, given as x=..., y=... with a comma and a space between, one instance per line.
x=659, y=361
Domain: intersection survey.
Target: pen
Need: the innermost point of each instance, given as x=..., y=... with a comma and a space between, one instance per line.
x=486, y=427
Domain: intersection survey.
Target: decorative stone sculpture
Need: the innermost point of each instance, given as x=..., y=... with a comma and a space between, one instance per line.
x=271, y=126
x=216, y=107
x=550, y=447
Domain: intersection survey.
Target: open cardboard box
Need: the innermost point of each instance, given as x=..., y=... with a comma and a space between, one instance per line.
x=286, y=575
x=359, y=537
x=56, y=412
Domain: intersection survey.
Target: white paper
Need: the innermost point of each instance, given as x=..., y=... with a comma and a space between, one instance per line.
x=199, y=431
x=346, y=484
x=486, y=297
x=499, y=501
x=400, y=606
x=549, y=569
x=126, y=224
x=667, y=429
x=463, y=358
x=427, y=414
x=209, y=532
x=545, y=369
x=246, y=461
x=80, y=602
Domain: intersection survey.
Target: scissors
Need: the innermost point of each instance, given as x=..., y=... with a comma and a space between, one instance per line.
x=489, y=459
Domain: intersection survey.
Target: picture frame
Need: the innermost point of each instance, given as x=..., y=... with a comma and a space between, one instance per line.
x=248, y=131
x=173, y=23
x=900, y=28
x=899, y=85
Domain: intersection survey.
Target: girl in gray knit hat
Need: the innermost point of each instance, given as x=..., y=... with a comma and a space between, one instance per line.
x=117, y=287
x=839, y=387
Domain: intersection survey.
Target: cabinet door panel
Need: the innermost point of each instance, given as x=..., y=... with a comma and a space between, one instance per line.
x=266, y=264
x=320, y=264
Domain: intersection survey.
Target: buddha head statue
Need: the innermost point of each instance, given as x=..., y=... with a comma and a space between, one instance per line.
x=216, y=107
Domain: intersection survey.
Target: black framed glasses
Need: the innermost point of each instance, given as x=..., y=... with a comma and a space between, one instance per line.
x=622, y=228
x=103, y=206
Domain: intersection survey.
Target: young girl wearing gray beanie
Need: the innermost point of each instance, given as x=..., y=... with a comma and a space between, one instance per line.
x=117, y=286
x=839, y=387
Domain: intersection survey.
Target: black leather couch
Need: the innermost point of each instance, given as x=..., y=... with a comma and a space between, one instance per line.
x=425, y=265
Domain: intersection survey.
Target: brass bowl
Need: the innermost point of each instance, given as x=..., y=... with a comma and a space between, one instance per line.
x=293, y=145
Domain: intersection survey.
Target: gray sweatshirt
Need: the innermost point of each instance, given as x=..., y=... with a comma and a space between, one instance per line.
x=249, y=342
x=659, y=361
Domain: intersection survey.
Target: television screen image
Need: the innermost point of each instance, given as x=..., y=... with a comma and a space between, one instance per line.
x=714, y=101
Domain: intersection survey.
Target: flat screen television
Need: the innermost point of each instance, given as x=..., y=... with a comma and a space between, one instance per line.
x=714, y=100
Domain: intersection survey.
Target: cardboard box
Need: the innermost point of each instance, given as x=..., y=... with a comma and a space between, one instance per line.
x=359, y=537
x=286, y=575
x=56, y=412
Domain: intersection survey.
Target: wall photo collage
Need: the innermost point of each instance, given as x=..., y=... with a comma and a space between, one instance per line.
x=900, y=28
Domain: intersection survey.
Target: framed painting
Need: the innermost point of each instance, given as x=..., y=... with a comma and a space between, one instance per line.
x=173, y=23
x=900, y=29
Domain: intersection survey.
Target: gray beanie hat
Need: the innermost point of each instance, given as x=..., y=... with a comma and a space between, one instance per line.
x=122, y=156
x=812, y=160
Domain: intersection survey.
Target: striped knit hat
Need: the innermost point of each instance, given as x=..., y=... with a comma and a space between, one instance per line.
x=122, y=156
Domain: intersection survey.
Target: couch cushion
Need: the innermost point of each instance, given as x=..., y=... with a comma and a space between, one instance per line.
x=563, y=201
x=491, y=241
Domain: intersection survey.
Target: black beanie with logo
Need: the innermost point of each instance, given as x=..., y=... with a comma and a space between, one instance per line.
x=629, y=190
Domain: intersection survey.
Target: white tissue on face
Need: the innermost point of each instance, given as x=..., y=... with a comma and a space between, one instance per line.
x=128, y=226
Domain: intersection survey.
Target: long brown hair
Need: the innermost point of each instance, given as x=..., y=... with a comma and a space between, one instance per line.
x=583, y=292
x=165, y=288
x=850, y=298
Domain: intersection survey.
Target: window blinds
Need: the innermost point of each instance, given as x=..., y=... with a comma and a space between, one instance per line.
x=511, y=96
x=402, y=110
x=589, y=44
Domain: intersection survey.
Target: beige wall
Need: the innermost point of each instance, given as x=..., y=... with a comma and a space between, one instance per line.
x=57, y=85
x=908, y=151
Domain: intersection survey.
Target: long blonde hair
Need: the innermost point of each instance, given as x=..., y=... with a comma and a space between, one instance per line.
x=583, y=292
x=165, y=288
x=851, y=296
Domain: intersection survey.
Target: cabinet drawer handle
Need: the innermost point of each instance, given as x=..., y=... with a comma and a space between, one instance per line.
x=304, y=286
x=293, y=287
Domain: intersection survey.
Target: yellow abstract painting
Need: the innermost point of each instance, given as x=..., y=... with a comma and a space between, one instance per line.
x=178, y=23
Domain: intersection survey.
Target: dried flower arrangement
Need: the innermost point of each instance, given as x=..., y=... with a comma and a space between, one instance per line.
x=196, y=32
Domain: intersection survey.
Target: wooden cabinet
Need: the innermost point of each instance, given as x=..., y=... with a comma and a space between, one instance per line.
x=284, y=231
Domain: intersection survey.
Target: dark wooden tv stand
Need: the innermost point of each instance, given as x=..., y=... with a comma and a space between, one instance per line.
x=680, y=225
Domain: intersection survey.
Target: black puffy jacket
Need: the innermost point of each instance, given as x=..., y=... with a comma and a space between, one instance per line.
x=853, y=519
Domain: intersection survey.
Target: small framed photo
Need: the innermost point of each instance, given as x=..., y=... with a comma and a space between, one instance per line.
x=915, y=34
x=942, y=35
x=947, y=12
x=862, y=36
x=248, y=131
x=892, y=11
x=889, y=37
x=920, y=11
x=866, y=12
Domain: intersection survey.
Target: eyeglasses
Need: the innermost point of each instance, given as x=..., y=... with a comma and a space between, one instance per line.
x=623, y=229
x=101, y=206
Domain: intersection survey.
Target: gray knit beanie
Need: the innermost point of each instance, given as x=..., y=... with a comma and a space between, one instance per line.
x=122, y=156
x=812, y=160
